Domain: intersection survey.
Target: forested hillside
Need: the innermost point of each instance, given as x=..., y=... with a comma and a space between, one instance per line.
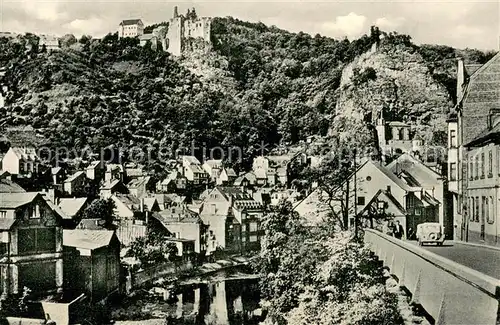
x=255, y=84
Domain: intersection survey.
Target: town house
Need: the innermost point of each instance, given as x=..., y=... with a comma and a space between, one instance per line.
x=76, y=184
x=213, y=168
x=474, y=129
x=233, y=217
x=30, y=245
x=193, y=170
x=182, y=223
x=142, y=186
x=22, y=162
x=376, y=184
x=130, y=28
x=175, y=181
x=132, y=216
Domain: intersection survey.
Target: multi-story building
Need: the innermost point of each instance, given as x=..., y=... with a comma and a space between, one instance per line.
x=233, y=217
x=396, y=137
x=21, y=161
x=131, y=28
x=410, y=200
x=477, y=153
x=31, y=245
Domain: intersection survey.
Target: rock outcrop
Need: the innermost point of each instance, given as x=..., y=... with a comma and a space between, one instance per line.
x=396, y=82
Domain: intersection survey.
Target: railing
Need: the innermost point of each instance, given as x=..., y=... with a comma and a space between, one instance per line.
x=449, y=292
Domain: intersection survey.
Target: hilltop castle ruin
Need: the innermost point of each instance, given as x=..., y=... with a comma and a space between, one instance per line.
x=180, y=29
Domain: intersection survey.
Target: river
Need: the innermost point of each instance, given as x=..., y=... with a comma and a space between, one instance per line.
x=225, y=298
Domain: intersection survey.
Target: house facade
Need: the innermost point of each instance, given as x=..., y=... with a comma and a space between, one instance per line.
x=30, y=245
x=233, y=218
x=476, y=122
x=21, y=161
x=91, y=263
x=372, y=182
x=130, y=28
x=76, y=183
x=132, y=217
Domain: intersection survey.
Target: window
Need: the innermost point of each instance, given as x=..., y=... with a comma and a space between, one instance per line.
x=490, y=164
x=476, y=214
x=253, y=226
x=484, y=212
x=418, y=211
x=3, y=214
x=253, y=238
x=491, y=213
x=36, y=212
x=482, y=164
x=471, y=208
x=36, y=240
x=37, y=276
x=453, y=171
x=361, y=200
x=471, y=170
x=368, y=178
x=498, y=161
x=477, y=167
x=453, y=138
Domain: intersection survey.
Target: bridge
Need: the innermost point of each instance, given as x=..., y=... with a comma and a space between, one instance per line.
x=455, y=284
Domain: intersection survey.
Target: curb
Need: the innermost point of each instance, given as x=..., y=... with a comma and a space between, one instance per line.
x=496, y=248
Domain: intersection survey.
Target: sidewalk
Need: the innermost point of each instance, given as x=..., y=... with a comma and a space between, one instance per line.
x=497, y=248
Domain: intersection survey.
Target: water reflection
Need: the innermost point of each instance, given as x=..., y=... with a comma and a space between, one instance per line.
x=218, y=303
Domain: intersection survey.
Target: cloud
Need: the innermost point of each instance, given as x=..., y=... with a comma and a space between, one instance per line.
x=465, y=31
x=389, y=24
x=43, y=10
x=90, y=26
x=351, y=25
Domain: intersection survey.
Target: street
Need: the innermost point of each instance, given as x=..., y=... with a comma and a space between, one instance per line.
x=483, y=259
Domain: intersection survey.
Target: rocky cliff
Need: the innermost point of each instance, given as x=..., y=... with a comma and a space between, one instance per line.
x=394, y=81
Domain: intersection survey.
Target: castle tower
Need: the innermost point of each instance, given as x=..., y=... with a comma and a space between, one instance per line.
x=175, y=33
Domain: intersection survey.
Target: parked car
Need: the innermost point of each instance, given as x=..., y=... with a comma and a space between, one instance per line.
x=430, y=232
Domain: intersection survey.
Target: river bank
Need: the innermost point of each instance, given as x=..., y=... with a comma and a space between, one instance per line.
x=189, y=295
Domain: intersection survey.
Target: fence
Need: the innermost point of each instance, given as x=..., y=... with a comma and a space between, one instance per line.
x=451, y=293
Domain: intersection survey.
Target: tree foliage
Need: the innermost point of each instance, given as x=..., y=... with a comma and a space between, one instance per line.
x=103, y=209
x=315, y=276
x=153, y=249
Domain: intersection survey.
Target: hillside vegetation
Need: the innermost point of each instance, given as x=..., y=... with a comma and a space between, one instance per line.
x=256, y=84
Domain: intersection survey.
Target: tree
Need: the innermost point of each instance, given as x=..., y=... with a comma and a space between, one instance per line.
x=315, y=276
x=67, y=40
x=103, y=209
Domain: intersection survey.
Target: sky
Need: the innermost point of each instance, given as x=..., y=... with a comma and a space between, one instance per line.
x=462, y=24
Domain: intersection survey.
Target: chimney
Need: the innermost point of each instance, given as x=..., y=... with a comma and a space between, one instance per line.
x=460, y=78
x=176, y=12
x=388, y=189
x=52, y=196
x=142, y=205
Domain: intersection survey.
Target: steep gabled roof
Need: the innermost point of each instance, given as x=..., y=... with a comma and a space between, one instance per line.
x=393, y=206
x=71, y=206
x=8, y=186
x=128, y=22
x=418, y=171
x=15, y=200
x=74, y=176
